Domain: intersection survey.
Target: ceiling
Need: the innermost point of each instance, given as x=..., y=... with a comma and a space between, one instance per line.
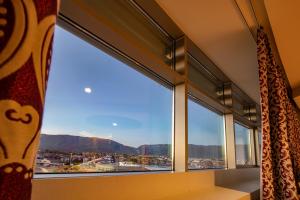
x=284, y=19
x=219, y=29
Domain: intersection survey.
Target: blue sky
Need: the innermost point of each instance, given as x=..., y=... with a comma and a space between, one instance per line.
x=205, y=127
x=93, y=94
x=242, y=134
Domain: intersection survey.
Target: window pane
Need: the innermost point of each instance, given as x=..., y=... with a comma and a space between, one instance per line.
x=242, y=145
x=102, y=115
x=205, y=138
x=259, y=145
x=202, y=78
x=126, y=18
x=259, y=139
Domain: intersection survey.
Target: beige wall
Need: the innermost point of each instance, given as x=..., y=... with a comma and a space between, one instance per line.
x=143, y=186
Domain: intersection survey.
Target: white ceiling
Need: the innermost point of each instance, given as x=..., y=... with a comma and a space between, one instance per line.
x=217, y=27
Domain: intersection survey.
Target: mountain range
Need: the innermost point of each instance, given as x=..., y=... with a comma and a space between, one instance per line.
x=70, y=143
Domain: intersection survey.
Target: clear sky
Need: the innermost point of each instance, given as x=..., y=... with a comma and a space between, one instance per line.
x=242, y=134
x=205, y=127
x=93, y=94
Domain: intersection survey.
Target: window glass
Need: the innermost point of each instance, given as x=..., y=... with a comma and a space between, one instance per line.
x=127, y=19
x=259, y=138
x=259, y=145
x=205, y=138
x=242, y=145
x=102, y=115
x=202, y=78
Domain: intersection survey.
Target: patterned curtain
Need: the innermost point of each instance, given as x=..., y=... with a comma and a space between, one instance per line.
x=26, y=34
x=280, y=129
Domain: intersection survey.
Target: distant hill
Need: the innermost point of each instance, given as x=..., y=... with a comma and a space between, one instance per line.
x=155, y=149
x=69, y=143
x=203, y=151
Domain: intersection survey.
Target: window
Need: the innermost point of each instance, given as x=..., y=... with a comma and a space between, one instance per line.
x=205, y=138
x=259, y=138
x=202, y=78
x=102, y=115
x=242, y=145
x=129, y=19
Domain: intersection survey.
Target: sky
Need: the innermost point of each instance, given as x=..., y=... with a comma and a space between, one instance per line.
x=242, y=134
x=204, y=126
x=92, y=94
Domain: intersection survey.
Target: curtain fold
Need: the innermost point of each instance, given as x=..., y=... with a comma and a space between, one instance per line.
x=26, y=35
x=280, y=165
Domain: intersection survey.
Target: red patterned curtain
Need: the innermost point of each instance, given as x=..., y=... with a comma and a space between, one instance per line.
x=280, y=129
x=26, y=35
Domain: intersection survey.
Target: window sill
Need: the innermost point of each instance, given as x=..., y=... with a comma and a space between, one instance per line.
x=96, y=174
x=164, y=185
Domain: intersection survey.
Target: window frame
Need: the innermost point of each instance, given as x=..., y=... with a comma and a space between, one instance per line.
x=221, y=114
x=252, y=152
x=258, y=149
x=96, y=42
x=169, y=77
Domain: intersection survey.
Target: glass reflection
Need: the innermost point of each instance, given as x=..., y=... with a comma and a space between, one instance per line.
x=102, y=115
x=205, y=138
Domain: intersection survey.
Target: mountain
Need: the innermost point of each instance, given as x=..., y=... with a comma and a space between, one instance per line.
x=69, y=143
x=203, y=151
x=155, y=149
x=195, y=151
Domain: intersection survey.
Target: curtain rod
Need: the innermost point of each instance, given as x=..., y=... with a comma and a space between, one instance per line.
x=253, y=32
